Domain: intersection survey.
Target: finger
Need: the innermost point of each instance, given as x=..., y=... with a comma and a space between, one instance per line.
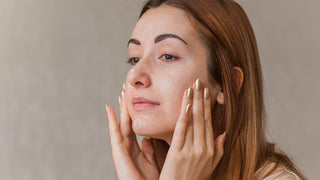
x=125, y=122
x=126, y=125
x=208, y=119
x=218, y=149
x=180, y=131
x=188, y=142
x=114, y=129
x=198, y=115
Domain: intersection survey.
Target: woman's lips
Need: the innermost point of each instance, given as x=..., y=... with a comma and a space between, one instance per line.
x=140, y=103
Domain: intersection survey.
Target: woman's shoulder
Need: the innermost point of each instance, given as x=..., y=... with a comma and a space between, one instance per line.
x=280, y=173
x=284, y=175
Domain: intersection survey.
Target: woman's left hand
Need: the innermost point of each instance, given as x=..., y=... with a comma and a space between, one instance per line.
x=193, y=153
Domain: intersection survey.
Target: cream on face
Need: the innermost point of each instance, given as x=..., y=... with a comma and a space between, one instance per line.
x=168, y=57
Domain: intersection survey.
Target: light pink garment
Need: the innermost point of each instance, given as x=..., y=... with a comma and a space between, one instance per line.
x=283, y=175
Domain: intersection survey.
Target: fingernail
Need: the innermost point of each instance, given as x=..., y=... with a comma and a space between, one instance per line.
x=124, y=86
x=189, y=92
x=188, y=109
x=119, y=99
x=206, y=93
x=122, y=94
x=224, y=136
x=106, y=107
x=198, y=84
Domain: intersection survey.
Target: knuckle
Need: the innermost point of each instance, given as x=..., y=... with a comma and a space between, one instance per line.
x=199, y=152
x=209, y=130
x=180, y=132
x=208, y=119
x=207, y=110
x=199, y=121
x=198, y=97
x=208, y=124
x=187, y=150
x=180, y=157
x=210, y=153
x=198, y=117
x=183, y=120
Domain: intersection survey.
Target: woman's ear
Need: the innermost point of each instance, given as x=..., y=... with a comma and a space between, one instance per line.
x=239, y=80
x=238, y=77
x=220, y=97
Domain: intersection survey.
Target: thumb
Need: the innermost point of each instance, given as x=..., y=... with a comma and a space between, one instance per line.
x=147, y=150
x=219, y=149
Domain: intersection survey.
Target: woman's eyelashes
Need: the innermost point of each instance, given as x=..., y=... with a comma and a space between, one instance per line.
x=133, y=60
x=164, y=57
x=169, y=57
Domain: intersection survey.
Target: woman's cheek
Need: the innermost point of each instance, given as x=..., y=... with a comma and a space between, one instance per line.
x=173, y=92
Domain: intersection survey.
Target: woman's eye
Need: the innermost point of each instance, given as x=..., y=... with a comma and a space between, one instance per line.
x=166, y=57
x=169, y=57
x=133, y=60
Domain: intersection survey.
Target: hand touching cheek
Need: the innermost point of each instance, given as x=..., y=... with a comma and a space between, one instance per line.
x=130, y=161
x=193, y=154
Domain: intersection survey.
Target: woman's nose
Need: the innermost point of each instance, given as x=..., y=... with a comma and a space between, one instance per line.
x=139, y=76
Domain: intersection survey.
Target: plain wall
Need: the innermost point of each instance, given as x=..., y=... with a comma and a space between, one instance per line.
x=61, y=61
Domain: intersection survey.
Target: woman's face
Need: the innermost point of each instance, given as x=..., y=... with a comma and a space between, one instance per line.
x=166, y=57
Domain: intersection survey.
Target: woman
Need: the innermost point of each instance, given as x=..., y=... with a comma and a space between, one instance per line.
x=194, y=88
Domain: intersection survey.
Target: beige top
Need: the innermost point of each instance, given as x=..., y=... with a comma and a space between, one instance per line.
x=281, y=173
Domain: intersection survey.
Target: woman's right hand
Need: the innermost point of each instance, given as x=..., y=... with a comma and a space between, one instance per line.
x=130, y=161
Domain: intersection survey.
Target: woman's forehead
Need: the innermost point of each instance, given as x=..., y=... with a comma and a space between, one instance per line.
x=163, y=20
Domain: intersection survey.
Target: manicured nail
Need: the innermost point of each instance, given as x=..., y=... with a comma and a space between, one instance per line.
x=206, y=93
x=189, y=92
x=198, y=84
x=106, y=107
x=188, y=109
x=122, y=94
x=119, y=99
x=224, y=136
x=124, y=86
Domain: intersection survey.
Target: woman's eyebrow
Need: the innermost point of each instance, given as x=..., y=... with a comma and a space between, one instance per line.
x=158, y=39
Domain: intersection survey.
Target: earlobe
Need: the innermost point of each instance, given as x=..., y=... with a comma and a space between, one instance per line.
x=220, y=97
x=238, y=77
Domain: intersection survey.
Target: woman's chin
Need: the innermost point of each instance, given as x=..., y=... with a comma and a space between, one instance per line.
x=142, y=128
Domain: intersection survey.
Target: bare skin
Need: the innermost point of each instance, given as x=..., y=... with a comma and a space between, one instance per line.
x=193, y=154
x=165, y=72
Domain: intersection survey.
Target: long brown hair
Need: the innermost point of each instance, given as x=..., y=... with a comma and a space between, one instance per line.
x=225, y=29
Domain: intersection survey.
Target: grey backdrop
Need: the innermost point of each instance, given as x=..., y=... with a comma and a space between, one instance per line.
x=62, y=60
